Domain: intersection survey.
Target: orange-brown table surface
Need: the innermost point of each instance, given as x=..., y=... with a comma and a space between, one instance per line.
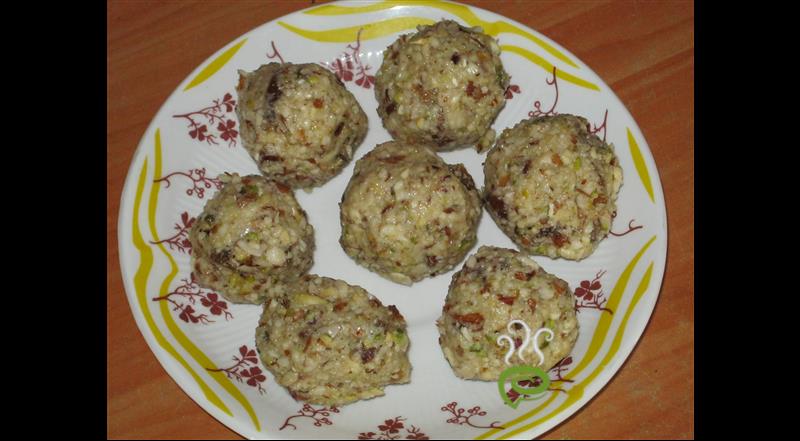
x=643, y=50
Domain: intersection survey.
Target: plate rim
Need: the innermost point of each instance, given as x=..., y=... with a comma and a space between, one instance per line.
x=592, y=389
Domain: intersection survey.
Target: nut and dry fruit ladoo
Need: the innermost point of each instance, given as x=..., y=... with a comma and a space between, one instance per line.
x=442, y=86
x=332, y=343
x=407, y=215
x=251, y=239
x=551, y=186
x=495, y=287
x=298, y=122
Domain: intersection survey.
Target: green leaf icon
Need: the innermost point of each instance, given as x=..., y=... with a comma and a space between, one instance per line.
x=517, y=374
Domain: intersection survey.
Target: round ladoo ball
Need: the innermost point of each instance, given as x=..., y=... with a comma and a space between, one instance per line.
x=442, y=87
x=551, y=186
x=332, y=343
x=251, y=238
x=495, y=287
x=298, y=122
x=407, y=215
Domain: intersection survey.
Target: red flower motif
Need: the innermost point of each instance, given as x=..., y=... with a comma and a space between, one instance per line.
x=229, y=102
x=350, y=66
x=390, y=429
x=391, y=426
x=343, y=71
x=190, y=291
x=248, y=356
x=309, y=412
x=365, y=81
x=199, y=133
x=180, y=240
x=238, y=371
x=511, y=90
x=586, y=288
x=187, y=221
x=254, y=376
x=460, y=419
x=415, y=433
x=590, y=294
x=214, y=116
x=199, y=180
x=211, y=301
x=186, y=315
x=226, y=130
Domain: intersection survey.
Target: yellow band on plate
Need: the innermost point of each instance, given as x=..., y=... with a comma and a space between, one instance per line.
x=546, y=65
x=461, y=11
x=140, y=285
x=184, y=341
x=215, y=65
x=641, y=167
x=370, y=30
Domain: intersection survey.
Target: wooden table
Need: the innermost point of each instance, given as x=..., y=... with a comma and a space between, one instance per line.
x=643, y=50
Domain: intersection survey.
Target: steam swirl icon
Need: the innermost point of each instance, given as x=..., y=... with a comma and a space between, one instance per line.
x=519, y=373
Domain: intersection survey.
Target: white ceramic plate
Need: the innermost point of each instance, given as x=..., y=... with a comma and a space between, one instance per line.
x=207, y=344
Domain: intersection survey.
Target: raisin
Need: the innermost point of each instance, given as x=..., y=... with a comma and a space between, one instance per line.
x=393, y=159
x=527, y=167
x=395, y=313
x=497, y=205
x=474, y=318
x=221, y=257
x=508, y=300
x=367, y=354
x=559, y=240
x=273, y=91
x=471, y=91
